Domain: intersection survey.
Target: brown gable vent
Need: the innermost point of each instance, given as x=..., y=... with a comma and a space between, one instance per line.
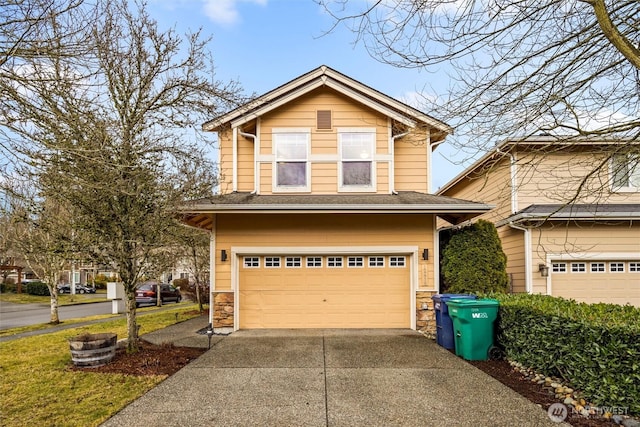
x=324, y=119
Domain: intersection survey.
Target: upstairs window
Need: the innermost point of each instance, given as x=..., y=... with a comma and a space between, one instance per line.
x=356, y=155
x=625, y=172
x=291, y=161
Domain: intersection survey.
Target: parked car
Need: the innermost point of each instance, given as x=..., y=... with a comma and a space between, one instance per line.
x=80, y=289
x=146, y=293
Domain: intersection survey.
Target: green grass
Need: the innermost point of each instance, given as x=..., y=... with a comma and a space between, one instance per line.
x=37, y=388
x=65, y=299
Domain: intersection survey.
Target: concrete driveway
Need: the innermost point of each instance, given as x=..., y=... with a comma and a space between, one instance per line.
x=329, y=378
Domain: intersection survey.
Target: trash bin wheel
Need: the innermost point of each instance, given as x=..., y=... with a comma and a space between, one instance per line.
x=495, y=353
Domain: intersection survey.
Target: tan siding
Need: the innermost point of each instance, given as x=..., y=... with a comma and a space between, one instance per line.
x=555, y=177
x=493, y=187
x=410, y=157
x=245, y=164
x=265, y=178
x=328, y=230
x=226, y=162
x=325, y=178
x=513, y=246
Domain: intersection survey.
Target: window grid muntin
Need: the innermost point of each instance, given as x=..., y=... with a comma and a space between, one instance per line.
x=634, y=267
x=335, y=262
x=376, y=261
x=559, y=267
x=314, y=262
x=616, y=267
x=355, y=261
x=272, y=262
x=598, y=267
x=578, y=267
x=397, y=261
x=251, y=262
x=293, y=262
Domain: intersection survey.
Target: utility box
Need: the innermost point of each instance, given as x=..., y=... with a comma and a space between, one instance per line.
x=115, y=292
x=473, y=326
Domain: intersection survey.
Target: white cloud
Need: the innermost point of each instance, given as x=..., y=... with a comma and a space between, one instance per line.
x=225, y=12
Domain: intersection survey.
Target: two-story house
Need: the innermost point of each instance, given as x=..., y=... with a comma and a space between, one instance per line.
x=324, y=217
x=567, y=212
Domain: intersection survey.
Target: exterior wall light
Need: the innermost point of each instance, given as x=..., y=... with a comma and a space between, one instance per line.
x=223, y=255
x=425, y=254
x=544, y=270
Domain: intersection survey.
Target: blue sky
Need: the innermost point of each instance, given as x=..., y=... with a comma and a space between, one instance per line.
x=265, y=43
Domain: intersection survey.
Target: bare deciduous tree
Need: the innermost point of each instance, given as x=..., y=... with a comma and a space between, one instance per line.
x=570, y=69
x=114, y=132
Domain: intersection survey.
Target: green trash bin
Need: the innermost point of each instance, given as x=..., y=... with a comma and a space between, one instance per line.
x=473, y=326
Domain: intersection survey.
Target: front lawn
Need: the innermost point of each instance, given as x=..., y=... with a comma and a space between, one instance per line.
x=37, y=388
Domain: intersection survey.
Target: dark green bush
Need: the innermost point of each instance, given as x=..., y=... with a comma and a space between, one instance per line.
x=593, y=347
x=473, y=260
x=36, y=288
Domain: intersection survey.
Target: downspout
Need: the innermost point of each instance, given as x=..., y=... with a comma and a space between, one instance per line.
x=255, y=159
x=528, y=287
x=212, y=268
x=514, y=181
x=392, y=172
x=234, y=160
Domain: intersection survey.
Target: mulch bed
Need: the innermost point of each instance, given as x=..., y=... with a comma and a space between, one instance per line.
x=152, y=359
x=503, y=372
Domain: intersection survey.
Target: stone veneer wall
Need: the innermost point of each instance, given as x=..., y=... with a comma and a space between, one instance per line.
x=425, y=319
x=223, y=309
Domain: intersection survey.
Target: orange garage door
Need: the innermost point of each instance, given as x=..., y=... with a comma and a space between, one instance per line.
x=324, y=292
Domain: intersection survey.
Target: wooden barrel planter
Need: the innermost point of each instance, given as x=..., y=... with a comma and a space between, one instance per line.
x=93, y=350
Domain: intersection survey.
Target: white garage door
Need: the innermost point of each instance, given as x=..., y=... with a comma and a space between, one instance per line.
x=324, y=291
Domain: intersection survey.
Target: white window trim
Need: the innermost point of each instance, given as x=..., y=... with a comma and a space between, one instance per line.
x=584, y=264
x=623, y=188
x=409, y=252
x=604, y=267
x=307, y=259
x=404, y=261
x=292, y=266
x=624, y=270
x=335, y=258
x=275, y=188
x=372, y=188
x=272, y=259
x=250, y=257
x=355, y=266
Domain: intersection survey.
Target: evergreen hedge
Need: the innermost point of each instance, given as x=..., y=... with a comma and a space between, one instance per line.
x=36, y=288
x=473, y=260
x=593, y=347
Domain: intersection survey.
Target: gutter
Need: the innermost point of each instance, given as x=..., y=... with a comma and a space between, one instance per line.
x=255, y=160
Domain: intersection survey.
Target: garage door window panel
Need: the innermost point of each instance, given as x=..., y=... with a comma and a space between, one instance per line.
x=334, y=262
x=272, y=262
x=616, y=267
x=578, y=267
x=559, y=267
x=598, y=267
x=634, y=267
x=314, y=262
x=355, y=262
x=376, y=261
x=251, y=262
x=397, y=261
x=293, y=262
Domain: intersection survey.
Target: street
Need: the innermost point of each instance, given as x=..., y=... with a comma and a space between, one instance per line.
x=16, y=315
